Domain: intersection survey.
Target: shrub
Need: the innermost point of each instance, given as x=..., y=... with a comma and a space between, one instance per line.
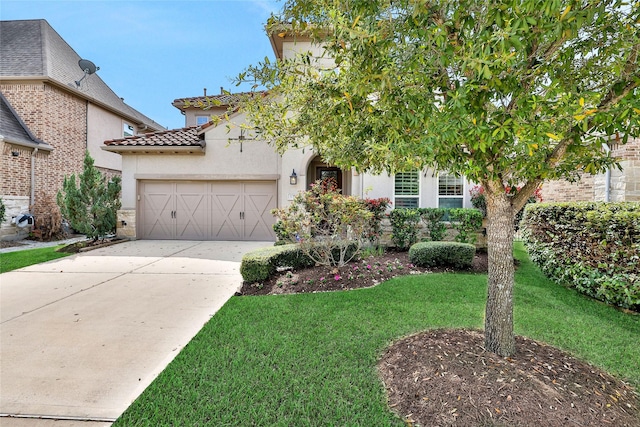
x=91, y=208
x=262, y=263
x=329, y=227
x=404, y=227
x=377, y=207
x=282, y=235
x=433, y=220
x=478, y=199
x=442, y=254
x=2, y=210
x=48, y=220
x=466, y=222
x=592, y=247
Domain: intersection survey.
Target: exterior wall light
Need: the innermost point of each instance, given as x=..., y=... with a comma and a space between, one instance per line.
x=293, y=179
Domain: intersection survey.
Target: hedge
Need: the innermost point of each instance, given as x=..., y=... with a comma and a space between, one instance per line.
x=593, y=247
x=436, y=254
x=262, y=263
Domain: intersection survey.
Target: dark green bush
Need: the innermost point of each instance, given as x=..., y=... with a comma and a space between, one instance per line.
x=467, y=222
x=262, y=263
x=404, y=227
x=442, y=254
x=593, y=247
x=2, y=210
x=433, y=220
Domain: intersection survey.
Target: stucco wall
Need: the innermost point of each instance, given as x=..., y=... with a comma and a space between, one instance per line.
x=222, y=160
x=103, y=125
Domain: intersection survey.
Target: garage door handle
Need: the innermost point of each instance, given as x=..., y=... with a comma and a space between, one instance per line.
x=241, y=215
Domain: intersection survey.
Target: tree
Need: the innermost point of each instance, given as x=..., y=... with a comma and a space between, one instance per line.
x=90, y=207
x=506, y=93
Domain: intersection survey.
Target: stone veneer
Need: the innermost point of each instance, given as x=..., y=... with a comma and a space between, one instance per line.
x=14, y=205
x=126, y=225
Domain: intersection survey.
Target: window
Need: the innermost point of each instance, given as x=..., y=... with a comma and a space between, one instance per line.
x=127, y=130
x=202, y=120
x=450, y=191
x=407, y=190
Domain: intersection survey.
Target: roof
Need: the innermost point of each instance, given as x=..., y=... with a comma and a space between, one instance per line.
x=207, y=102
x=33, y=49
x=186, y=140
x=14, y=130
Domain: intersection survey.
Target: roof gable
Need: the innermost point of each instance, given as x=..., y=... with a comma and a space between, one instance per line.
x=14, y=130
x=32, y=48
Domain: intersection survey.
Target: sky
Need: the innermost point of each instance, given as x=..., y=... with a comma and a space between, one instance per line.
x=151, y=52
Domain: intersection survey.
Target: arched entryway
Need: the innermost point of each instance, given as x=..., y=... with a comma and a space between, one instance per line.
x=319, y=169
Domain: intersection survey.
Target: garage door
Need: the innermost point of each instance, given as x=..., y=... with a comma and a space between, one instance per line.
x=207, y=210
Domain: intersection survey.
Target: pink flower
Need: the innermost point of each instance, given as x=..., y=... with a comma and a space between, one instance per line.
x=337, y=277
x=368, y=266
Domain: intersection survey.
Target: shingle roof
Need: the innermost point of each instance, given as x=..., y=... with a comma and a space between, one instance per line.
x=14, y=130
x=184, y=137
x=32, y=48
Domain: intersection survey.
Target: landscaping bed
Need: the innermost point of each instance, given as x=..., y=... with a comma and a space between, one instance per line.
x=362, y=273
x=446, y=378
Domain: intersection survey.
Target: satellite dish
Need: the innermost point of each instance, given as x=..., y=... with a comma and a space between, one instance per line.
x=88, y=67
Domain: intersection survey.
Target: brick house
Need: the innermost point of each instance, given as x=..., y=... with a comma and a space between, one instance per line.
x=612, y=186
x=51, y=113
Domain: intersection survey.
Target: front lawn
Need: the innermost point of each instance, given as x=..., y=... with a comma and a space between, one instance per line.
x=13, y=260
x=310, y=359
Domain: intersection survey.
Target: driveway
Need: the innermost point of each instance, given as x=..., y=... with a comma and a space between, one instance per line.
x=83, y=336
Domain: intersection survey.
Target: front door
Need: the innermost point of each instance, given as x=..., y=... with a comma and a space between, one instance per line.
x=325, y=172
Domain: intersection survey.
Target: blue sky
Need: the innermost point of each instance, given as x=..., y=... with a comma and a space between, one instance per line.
x=151, y=52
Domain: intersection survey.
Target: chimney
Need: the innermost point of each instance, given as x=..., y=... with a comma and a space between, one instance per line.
x=205, y=91
x=221, y=90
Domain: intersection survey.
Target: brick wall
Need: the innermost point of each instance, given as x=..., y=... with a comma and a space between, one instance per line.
x=624, y=185
x=55, y=117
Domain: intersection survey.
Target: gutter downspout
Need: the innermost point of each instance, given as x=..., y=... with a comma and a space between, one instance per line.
x=33, y=177
x=607, y=179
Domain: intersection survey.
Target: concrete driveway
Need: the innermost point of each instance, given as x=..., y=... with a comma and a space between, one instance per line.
x=83, y=336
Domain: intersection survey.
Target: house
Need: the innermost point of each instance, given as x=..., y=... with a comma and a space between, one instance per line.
x=208, y=182
x=612, y=186
x=52, y=111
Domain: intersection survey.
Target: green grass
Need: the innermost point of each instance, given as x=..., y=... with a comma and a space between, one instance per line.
x=310, y=359
x=13, y=260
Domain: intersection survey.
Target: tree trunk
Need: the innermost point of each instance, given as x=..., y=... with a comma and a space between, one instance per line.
x=498, y=329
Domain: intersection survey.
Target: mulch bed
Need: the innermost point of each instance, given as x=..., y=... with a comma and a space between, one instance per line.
x=446, y=378
x=362, y=273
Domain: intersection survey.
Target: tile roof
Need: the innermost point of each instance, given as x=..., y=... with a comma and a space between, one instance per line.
x=184, y=137
x=207, y=102
x=32, y=48
x=14, y=130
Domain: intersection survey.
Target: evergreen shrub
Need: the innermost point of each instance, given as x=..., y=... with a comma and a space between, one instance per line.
x=442, y=254
x=593, y=247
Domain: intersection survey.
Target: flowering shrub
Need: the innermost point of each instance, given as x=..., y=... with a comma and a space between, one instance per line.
x=329, y=227
x=377, y=207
